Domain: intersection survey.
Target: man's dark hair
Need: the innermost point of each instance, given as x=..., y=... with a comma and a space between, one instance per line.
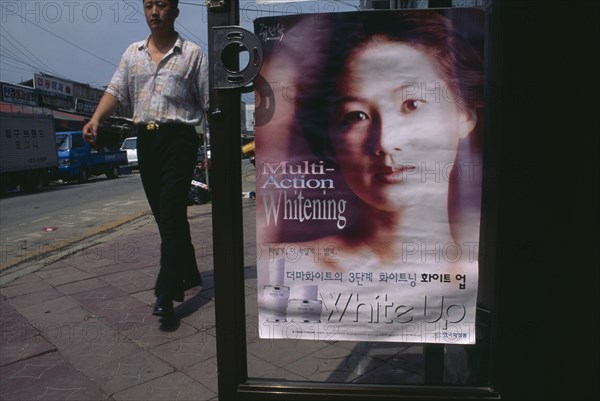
x=173, y=2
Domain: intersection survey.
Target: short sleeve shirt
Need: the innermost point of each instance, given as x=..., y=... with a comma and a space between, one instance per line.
x=173, y=91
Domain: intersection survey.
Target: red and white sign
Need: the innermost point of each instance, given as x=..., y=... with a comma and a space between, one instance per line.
x=52, y=85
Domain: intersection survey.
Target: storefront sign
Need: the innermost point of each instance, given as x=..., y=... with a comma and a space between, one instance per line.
x=85, y=106
x=18, y=94
x=52, y=85
x=369, y=176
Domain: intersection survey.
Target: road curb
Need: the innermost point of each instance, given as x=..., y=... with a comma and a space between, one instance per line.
x=35, y=260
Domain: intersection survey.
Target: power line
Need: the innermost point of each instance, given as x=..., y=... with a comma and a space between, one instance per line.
x=7, y=53
x=63, y=39
x=347, y=4
x=18, y=71
x=33, y=58
x=19, y=61
x=7, y=60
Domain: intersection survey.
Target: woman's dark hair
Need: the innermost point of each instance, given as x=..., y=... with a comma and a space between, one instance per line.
x=459, y=64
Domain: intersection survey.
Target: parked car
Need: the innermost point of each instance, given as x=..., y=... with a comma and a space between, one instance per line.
x=77, y=159
x=130, y=146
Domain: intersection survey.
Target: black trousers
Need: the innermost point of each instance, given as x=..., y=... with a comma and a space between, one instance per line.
x=166, y=159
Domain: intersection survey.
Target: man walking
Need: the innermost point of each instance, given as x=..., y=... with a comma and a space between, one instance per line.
x=165, y=79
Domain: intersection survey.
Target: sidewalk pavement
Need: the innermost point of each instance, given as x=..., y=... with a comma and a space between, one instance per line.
x=81, y=326
x=78, y=325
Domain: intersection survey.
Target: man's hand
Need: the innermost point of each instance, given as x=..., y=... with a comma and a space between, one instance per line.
x=107, y=105
x=90, y=130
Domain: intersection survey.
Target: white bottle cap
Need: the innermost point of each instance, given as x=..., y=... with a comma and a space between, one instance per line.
x=307, y=292
x=277, y=272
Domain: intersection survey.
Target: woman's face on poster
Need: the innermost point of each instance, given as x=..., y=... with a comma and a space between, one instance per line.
x=396, y=127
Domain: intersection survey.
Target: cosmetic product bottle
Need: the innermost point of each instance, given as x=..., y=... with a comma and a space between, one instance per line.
x=275, y=294
x=305, y=306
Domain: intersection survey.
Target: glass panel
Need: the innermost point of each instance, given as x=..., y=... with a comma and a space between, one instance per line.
x=350, y=361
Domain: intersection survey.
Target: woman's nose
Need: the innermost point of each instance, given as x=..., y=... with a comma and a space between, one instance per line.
x=388, y=139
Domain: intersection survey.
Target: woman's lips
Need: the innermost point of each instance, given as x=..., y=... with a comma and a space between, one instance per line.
x=395, y=174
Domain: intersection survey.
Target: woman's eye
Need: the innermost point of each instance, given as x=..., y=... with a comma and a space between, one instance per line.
x=411, y=105
x=354, y=116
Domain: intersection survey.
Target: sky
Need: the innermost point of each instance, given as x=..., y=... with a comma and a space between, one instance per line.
x=83, y=40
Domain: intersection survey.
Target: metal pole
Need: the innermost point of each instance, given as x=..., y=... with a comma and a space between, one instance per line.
x=226, y=192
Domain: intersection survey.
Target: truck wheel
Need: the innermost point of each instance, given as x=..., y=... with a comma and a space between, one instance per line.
x=34, y=181
x=83, y=175
x=113, y=172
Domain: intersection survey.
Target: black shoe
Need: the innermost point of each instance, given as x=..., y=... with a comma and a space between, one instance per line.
x=163, y=307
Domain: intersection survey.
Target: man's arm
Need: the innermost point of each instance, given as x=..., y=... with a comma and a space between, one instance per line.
x=107, y=106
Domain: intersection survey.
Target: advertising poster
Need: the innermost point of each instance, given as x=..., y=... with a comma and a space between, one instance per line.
x=368, y=164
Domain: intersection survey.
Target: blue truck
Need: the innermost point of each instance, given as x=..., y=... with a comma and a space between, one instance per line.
x=78, y=160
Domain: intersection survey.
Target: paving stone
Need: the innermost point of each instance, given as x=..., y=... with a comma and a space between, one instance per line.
x=94, y=343
x=20, y=289
x=47, y=377
x=281, y=352
x=7, y=310
x=122, y=256
x=147, y=296
x=100, y=267
x=252, y=330
x=150, y=331
x=64, y=275
x=141, y=255
x=104, y=254
x=198, y=312
x=35, y=298
x=174, y=387
x=69, y=336
x=129, y=371
x=81, y=286
x=204, y=254
x=407, y=370
x=183, y=352
x=19, y=340
x=95, y=296
x=28, y=278
x=382, y=350
x=52, y=311
x=116, y=310
x=332, y=364
x=205, y=372
x=132, y=281
x=81, y=328
x=261, y=369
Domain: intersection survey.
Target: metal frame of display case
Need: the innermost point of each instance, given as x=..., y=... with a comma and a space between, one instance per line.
x=513, y=366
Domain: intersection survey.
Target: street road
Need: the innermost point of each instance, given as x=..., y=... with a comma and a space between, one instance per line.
x=64, y=215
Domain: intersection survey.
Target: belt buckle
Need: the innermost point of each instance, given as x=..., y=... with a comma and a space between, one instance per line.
x=152, y=126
